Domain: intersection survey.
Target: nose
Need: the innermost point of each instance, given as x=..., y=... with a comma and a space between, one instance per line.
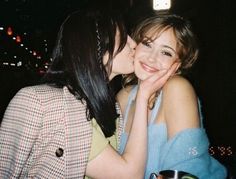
x=153, y=56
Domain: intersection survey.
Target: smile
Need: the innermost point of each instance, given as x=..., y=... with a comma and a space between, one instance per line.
x=148, y=68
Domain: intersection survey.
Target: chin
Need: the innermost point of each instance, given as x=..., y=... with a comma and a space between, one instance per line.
x=142, y=76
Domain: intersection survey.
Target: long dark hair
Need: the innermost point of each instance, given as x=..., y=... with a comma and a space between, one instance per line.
x=83, y=39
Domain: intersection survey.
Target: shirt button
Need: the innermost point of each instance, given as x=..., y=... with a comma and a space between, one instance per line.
x=59, y=152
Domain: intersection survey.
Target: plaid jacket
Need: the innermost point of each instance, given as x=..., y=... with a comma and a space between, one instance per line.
x=45, y=134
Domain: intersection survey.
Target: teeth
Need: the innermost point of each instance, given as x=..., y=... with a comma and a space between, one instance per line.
x=148, y=68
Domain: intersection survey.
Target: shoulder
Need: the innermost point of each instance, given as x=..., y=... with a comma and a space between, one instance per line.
x=122, y=97
x=180, y=105
x=177, y=90
x=45, y=89
x=39, y=89
x=25, y=107
x=27, y=95
x=180, y=85
x=42, y=95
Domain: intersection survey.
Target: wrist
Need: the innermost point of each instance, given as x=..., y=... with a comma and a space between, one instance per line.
x=142, y=97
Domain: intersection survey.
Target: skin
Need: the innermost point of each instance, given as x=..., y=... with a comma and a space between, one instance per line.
x=109, y=164
x=153, y=56
x=178, y=108
x=123, y=62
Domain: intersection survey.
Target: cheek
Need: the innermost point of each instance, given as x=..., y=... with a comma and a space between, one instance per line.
x=167, y=65
x=136, y=66
x=139, y=72
x=137, y=58
x=122, y=66
x=138, y=51
x=115, y=65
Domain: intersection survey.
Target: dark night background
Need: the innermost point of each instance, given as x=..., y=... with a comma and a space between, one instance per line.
x=213, y=76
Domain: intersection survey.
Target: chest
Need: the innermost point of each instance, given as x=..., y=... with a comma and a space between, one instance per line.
x=155, y=115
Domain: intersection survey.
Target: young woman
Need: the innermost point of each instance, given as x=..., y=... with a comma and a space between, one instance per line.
x=176, y=137
x=68, y=127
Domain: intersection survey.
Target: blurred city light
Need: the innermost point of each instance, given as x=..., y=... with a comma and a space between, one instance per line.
x=18, y=51
x=9, y=31
x=18, y=39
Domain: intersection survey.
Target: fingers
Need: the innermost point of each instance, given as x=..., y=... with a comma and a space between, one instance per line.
x=164, y=75
x=156, y=82
x=158, y=75
x=153, y=83
x=160, y=79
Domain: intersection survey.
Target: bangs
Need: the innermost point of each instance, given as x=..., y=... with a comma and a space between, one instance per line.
x=154, y=31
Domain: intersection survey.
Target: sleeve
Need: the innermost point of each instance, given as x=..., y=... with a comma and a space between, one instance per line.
x=188, y=151
x=18, y=131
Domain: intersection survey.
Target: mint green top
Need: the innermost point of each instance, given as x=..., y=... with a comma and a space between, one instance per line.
x=99, y=141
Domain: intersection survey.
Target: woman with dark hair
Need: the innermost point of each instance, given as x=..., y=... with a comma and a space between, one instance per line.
x=69, y=127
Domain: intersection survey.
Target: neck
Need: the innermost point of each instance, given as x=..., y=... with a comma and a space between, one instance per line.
x=152, y=99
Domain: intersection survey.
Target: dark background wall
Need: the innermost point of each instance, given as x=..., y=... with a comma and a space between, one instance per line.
x=213, y=76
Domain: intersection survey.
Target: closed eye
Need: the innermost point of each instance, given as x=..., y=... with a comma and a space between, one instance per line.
x=146, y=43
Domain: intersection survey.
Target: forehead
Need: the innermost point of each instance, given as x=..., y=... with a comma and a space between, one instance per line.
x=155, y=32
x=165, y=34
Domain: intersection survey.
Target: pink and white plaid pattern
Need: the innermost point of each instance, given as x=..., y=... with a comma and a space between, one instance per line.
x=38, y=121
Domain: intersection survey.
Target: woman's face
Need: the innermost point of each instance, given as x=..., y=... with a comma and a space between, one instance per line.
x=155, y=55
x=123, y=62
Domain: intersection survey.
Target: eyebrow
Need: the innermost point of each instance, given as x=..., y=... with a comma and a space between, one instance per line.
x=165, y=46
x=147, y=38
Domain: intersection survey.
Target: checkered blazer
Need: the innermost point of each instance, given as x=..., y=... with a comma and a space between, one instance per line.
x=45, y=134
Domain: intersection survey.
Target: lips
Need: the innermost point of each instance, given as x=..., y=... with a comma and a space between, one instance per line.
x=148, y=68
